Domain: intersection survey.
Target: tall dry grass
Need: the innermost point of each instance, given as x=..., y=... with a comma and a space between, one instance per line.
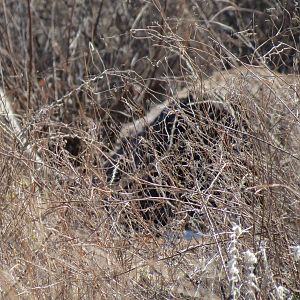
x=79, y=79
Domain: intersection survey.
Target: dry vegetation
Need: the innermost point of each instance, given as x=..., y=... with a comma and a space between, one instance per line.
x=149, y=149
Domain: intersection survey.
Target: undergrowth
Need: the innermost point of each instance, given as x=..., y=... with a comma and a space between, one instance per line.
x=149, y=149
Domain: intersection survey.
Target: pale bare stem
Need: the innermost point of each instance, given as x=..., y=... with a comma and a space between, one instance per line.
x=10, y=43
x=233, y=263
x=251, y=282
x=54, y=49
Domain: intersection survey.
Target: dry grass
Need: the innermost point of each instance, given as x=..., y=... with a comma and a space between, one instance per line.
x=98, y=198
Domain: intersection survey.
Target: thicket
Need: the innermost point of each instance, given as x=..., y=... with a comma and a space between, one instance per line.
x=202, y=204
